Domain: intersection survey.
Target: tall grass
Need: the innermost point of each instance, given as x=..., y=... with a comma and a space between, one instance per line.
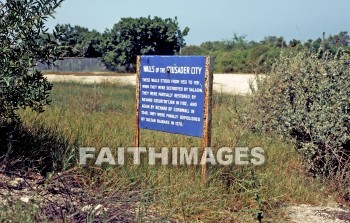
x=103, y=116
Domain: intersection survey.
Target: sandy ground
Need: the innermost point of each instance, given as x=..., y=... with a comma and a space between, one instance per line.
x=317, y=214
x=233, y=83
x=225, y=83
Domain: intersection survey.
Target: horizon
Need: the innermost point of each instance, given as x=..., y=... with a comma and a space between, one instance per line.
x=301, y=20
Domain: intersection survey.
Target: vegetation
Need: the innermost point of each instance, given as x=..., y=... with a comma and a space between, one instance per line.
x=142, y=36
x=306, y=98
x=119, y=46
x=240, y=56
x=21, y=46
x=103, y=116
x=128, y=38
x=78, y=41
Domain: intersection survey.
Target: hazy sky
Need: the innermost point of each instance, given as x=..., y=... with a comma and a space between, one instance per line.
x=218, y=19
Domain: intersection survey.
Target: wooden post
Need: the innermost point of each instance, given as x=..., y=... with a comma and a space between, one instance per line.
x=206, y=139
x=137, y=123
x=323, y=42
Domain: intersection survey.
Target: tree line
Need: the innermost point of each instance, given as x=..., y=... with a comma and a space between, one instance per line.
x=239, y=55
x=119, y=46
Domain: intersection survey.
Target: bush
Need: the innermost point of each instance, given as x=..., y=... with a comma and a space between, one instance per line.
x=262, y=58
x=231, y=62
x=307, y=98
x=24, y=42
x=193, y=50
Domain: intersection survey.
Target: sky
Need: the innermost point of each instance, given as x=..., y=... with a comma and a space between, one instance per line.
x=217, y=19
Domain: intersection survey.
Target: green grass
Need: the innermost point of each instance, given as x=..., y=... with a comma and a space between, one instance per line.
x=103, y=116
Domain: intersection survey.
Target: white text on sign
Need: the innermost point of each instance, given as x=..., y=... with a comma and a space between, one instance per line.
x=172, y=69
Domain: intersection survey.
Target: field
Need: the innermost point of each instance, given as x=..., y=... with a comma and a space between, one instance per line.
x=102, y=115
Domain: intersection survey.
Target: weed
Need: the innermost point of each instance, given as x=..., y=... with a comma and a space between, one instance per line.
x=234, y=193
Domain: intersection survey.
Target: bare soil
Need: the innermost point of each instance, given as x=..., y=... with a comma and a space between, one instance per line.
x=225, y=83
x=318, y=214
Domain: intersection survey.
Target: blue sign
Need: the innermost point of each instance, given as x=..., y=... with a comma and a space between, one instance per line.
x=172, y=94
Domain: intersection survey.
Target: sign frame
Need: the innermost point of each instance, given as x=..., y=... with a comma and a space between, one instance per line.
x=207, y=111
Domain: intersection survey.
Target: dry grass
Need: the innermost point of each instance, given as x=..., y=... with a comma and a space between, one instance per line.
x=103, y=116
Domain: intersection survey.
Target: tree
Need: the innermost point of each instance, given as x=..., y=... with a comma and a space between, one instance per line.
x=193, y=50
x=214, y=46
x=21, y=46
x=262, y=57
x=340, y=40
x=79, y=41
x=69, y=39
x=142, y=36
x=236, y=43
x=294, y=43
x=308, y=44
x=274, y=41
x=92, y=44
x=317, y=44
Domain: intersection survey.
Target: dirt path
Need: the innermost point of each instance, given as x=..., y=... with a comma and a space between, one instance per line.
x=226, y=83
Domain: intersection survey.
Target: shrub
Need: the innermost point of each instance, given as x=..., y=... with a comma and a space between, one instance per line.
x=193, y=50
x=261, y=58
x=307, y=98
x=23, y=42
x=231, y=62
